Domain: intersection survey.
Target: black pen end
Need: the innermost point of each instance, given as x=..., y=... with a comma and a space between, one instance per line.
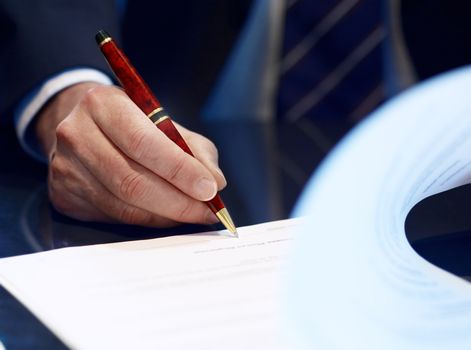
x=102, y=36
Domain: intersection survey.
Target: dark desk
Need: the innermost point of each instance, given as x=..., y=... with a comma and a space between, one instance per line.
x=29, y=224
x=439, y=229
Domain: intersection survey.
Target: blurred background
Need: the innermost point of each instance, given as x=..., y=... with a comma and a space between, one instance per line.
x=275, y=84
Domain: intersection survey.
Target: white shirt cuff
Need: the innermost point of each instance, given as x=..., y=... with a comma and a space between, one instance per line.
x=32, y=104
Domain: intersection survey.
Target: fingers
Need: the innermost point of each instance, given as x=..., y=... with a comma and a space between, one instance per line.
x=66, y=185
x=75, y=192
x=206, y=152
x=136, y=136
x=125, y=179
x=110, y=163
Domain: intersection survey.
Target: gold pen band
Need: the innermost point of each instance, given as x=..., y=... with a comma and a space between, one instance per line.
x=105, y=41
x=158, y=115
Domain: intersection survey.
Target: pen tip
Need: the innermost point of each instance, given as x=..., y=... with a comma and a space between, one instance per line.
x=225, y=218
x=101, y=36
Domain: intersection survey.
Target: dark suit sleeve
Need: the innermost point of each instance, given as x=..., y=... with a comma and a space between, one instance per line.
x=39, y=39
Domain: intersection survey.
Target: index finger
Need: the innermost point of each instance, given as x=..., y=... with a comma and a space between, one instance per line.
x=136, y=136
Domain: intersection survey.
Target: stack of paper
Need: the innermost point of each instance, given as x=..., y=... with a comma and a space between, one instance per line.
x=356, y=281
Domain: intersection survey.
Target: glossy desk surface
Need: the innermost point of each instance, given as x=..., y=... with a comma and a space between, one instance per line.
x=439, y=228
x=29, y=224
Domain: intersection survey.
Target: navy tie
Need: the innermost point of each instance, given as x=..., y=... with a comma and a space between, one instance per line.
x=330, y=77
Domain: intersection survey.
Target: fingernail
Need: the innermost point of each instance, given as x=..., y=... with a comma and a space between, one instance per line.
x=205, y=189
x=211, y=218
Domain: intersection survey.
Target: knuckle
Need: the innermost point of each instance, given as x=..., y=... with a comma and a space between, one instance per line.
x=132, y=186
x=65, y=132
x=186, y=208
x=68, y=137
x=133, y=215
x=57, y=169
x=137, y=141
x=94, y=97
x=176, y=169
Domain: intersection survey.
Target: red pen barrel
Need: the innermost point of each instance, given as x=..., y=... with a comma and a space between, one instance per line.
x=133, y=84
x=140, y=93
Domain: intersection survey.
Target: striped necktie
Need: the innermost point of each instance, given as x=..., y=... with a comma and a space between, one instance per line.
x=330, y=77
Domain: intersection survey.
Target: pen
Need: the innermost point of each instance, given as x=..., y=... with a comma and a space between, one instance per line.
x=139, y=92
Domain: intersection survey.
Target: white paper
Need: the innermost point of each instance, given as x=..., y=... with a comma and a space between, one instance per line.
x=366, y=288
x=202, y=291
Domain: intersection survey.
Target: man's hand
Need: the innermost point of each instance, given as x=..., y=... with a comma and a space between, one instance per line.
x=108, y=162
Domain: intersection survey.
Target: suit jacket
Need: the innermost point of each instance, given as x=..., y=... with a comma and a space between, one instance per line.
x=178, y=46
